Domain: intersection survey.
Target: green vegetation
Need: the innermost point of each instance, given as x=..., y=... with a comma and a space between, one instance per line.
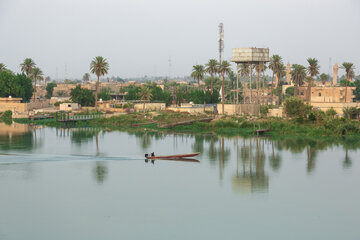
x=50, y=89
x=18, y=86
x=104, y=94
x=82, y=96
x=312, y=124
x=6, y=117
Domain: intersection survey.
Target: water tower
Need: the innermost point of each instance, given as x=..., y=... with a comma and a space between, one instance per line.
x=252, y=56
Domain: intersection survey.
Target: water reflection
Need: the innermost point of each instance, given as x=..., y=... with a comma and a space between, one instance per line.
x=250, y=174
x=16, y=137
x=249, y=154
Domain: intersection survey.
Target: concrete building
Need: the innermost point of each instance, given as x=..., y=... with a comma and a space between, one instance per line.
x=69, y=106
x=329, y=94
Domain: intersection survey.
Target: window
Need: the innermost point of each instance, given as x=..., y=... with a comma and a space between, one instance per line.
x=319, y=94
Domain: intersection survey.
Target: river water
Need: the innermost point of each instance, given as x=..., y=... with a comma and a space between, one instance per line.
x=92, y=184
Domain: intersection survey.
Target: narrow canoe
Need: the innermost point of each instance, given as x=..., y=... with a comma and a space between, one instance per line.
x=174, y=156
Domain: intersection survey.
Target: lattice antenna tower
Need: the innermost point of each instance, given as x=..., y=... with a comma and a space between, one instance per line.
x=221, y=41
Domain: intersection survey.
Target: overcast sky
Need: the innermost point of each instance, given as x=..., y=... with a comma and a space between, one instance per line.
x=139, y=36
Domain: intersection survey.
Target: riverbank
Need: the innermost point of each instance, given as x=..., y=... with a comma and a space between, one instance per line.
x=220, y=125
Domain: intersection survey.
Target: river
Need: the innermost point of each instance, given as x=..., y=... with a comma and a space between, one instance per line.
x=92, y=184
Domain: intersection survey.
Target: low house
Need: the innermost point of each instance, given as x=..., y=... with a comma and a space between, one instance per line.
x=69, y=106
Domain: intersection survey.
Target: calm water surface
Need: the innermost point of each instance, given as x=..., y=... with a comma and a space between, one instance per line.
x=89, y=184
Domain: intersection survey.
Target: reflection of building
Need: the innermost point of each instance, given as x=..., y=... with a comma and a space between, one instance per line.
x=14, y=129
x=251, y=177
x=248, y=184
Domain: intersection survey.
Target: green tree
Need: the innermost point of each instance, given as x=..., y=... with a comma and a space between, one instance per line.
x=357, y=92
x=323, y=78
x=132, y=92
x=104, y=94
x=2, y=67
x=82, y=96
x=294, y=107
x=27, y=66
x=50, y=89
x=17, y=85
x=36, y=75
x=276, y=66
x=224, y=69
x=145, y=95
x=351, y=112
x=211, y=68
x=289, y=92
x=313, y=70
x=99, y=66
x=86, y=77
x=198, y=73
x=298, y=74
x=349, y=69
x=157, y=94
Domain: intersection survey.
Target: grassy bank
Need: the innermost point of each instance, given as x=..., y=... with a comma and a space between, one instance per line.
x=225, y=126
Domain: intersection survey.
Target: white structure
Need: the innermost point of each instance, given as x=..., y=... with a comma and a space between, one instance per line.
x=69, y=106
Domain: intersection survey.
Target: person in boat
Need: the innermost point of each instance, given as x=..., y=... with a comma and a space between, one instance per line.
x=153, y=154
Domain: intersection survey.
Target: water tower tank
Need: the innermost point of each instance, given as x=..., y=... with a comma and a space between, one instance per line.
x=250, y=55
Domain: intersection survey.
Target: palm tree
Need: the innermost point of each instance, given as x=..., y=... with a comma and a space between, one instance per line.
x=198, y=73
x=276, y=67
x=323, y=78
x=2, y=67
x=36, y=74
x=313, y=70
x=145, y=95
x=211, y=68
x=244, y=71
x=349, y=69
x=86, y=77
x=99, y=66
x=27, y=66
x=298, y=74
x=224, y=69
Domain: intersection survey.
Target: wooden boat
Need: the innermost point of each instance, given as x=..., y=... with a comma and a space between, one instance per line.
x=178, y=156
x=174, y=159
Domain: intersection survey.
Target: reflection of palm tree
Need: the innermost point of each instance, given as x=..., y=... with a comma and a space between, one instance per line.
x=97, y=144
x=347, y=161
x=198, y=144
x=274, y=159
x=100, y=172
x=311, y=156
x=212, y=149
x=145, y=141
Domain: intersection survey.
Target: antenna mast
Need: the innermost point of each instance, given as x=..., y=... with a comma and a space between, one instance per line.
x=169, y=68
x=221, y=41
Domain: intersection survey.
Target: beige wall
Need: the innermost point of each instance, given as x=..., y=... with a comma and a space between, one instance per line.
x=138, y=107
x=191, y=110
x=231, y=109
x=22, y=107
x=338, y=107
x=276, y=112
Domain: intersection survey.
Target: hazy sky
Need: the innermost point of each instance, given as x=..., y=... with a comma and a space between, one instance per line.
x=139, y=36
